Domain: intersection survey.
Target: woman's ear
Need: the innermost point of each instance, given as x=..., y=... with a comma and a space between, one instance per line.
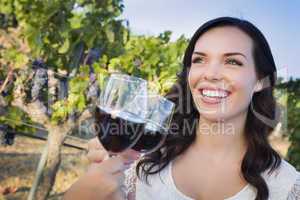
x=258, y=86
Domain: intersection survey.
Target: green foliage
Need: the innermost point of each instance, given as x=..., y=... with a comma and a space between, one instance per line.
x=18, y=120
x=7, y=19
x=60, y=32
x=288, y=94
x=16, y=57
x=54, y=29
x=76, y=100
x=293, y=89
x=155, y=59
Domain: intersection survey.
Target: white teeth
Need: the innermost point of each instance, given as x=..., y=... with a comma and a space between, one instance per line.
x=214, y=93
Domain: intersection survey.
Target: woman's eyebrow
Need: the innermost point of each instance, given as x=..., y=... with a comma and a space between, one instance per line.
x=235, y=53
x=199, y=53
x=226, y=54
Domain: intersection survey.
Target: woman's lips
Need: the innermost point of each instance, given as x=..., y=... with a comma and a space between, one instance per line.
x=221, y=95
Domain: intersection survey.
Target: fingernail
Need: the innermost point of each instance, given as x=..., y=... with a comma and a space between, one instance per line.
x=132, y=154
x=138, y=156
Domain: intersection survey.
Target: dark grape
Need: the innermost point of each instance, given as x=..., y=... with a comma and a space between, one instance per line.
x=63, y=88
x=38, y=64
x=92, y=75
x=92, y=56
x=10, y=137
x=40, y=81
x=8, y=21
x=6, y=137
x=93, y=91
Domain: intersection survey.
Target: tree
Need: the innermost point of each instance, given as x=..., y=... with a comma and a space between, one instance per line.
x=44, y=45
x=292, y=88
x=59, y=54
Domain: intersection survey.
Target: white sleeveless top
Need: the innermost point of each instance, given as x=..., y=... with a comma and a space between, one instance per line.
x=283, y=184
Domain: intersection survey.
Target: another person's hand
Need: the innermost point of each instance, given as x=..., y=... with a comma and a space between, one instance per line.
x=104, y=177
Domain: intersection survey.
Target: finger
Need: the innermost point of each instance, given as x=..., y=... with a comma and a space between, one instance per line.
x=130, y=154
x=97, y=155
x=95, y=144
x=116, y=164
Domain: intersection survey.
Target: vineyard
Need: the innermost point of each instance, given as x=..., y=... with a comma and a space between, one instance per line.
x=54, y=59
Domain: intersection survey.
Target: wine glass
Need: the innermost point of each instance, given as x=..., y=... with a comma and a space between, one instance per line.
x=121, y=112
x=160, y=113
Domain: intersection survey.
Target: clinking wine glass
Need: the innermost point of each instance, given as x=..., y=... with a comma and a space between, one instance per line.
x=121, y=112
x=160, y=113
x=127, y=117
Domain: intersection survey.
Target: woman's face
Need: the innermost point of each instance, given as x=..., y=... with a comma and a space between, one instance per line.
x=222, y=77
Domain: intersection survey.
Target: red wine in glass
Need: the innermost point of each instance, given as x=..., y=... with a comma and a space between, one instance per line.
x=150, y=140
x=117, y=134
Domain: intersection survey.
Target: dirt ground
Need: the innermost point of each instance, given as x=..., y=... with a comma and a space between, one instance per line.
x=18, y=164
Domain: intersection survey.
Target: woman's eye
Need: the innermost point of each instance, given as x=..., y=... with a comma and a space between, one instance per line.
x=234, y=62
x=197, y=60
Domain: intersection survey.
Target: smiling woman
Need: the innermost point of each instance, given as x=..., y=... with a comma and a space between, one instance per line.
x=230, y=73
x=227, y=78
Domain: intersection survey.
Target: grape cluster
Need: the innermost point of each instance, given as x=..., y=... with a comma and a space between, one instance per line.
x=7, y=21
x=40, y=79
x=63, y=88
x=92, y=56
x=6, y=137
x=3, y=105
x=93, y=89
x=38, y=63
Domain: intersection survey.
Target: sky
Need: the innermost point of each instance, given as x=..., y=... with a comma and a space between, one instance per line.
x=278, y=20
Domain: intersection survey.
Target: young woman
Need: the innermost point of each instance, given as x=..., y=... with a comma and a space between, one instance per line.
x=219, y=149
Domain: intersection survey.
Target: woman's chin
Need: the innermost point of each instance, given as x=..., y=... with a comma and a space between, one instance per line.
x=221, y=116
x=214, y=117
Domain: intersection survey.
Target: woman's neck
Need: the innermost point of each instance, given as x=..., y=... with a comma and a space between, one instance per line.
x=222, y=138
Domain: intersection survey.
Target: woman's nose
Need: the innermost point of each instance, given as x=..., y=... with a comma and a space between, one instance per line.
x=213, y=72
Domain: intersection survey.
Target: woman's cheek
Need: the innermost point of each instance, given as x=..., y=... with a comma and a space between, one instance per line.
x=243, y=88
x=194, y=76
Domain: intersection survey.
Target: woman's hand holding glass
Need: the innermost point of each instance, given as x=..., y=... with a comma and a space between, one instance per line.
x=104, y=178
